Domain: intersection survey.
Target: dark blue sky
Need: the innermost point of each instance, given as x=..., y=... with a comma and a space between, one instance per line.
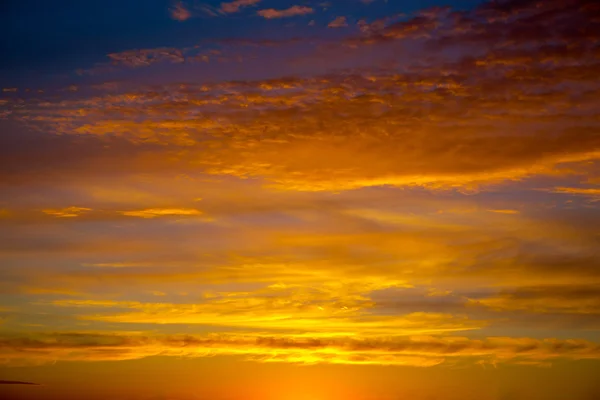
x=44, y=37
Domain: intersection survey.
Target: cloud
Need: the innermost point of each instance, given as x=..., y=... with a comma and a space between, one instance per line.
x=440, y=246
x=114, y=265
x=179, y=11
x=145, y=57
x=162, y=212
x=572, y=299
x=271, y=13
x=496, y=27
x=68, y=212
x=424, y=351
x=237, y=5
x=483, y=139
x=3, y=382
x=504, y=211
x=329, y=309
x=338, y=22
x=593, y=192
x=416, y=27
x=371, y=28
x=463, y=154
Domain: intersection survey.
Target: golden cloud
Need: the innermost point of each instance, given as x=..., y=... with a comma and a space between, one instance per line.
x=68, y=212
x=423, y=351
x=162, y=212
x=330, y=309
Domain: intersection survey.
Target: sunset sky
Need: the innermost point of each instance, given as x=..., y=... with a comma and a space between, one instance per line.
x=300, y=200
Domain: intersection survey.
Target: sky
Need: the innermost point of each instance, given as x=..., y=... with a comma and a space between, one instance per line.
x=300, y=200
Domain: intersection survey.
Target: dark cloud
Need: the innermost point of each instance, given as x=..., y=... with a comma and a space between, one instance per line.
x=18, y=383
x=500, y=25
x=557, y=299
x=145, y=57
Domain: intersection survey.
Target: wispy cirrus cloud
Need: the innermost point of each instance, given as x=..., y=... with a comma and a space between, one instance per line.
x=68, y=212
x=271, y=13
x=504, y=211
x=325, y=309
x=114, y=265
x=162, y=212
x=424, y=351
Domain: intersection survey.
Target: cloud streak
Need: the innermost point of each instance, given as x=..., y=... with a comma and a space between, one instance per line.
x=4, y=382
x=271, y=13
x=68, y=212
x=417, y=351
x=163, y=212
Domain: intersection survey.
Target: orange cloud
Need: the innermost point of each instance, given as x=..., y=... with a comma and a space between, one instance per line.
x=114, y=265
x=414, y=351
x=344, y=158
x=162, y=212
x=327, y=309
x=68, y=212
x=504, y=211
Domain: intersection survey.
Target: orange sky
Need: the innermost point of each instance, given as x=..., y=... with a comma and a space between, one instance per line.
x=264, y=199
